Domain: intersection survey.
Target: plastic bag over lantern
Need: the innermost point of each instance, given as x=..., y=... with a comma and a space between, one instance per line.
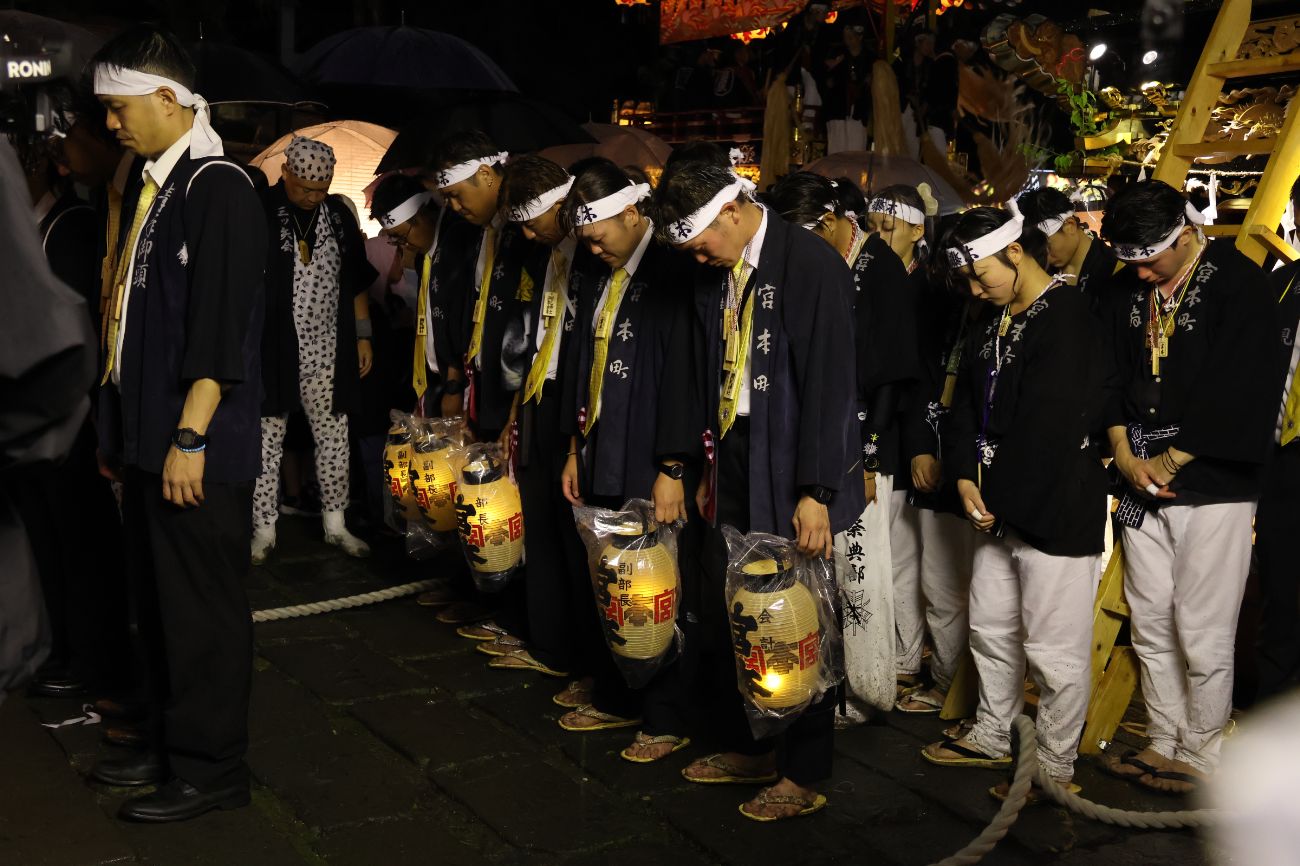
x=435, y=452
x=783, y=627
x=637, y=585
x=489, y=516
x=397, y=472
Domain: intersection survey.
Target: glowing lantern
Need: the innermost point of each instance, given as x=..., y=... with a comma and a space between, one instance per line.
x=778, y=636
x=637, y=591
x=397, y=468
x=748, y=36
x=490, y=519
x=434, y=480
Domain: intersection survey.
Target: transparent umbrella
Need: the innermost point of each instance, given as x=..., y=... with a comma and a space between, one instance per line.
x=874, y=172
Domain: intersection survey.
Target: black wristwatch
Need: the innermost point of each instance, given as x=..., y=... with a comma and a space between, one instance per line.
x=820, y=495
x=188, y=440
x=454, y=386
x=673, y=471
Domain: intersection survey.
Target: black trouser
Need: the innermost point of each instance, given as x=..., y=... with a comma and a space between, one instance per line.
x=553, y=605
x=1277, y=538
x=83, y=580
x=808, y=742
x=187, y=569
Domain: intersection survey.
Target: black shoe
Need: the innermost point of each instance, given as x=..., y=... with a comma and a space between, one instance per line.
x=178, y=800
x=57, y=686
x=121, y=711
x=128, y=736
x=145, y=768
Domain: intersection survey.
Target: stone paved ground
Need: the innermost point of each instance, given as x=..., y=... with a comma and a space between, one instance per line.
x=381, y=739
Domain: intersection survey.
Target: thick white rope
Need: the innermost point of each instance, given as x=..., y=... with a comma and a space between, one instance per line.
x=333, y=604
x=1027, y=769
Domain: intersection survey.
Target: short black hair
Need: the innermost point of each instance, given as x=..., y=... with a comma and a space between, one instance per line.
x=527, y=177
x=1143, y=213
x=392, y=191
x=148, y=49
x=802, y=197
x=699, y=151
x=975, y=224
x=850, y=199
x=1044, y=203
x=598, y=179
x=685, y=188
x=463, y=146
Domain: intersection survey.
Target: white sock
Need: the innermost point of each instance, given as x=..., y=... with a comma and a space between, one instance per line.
x=336, y=533
x=263, y=542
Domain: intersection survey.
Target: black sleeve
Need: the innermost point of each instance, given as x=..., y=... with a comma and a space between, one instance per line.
x=72, y=249
x=962, y=424
x=1116, y=336
x=358, y=275
x=225, y=231
x=1231, y=409
x=818, y=323
x=680, y=412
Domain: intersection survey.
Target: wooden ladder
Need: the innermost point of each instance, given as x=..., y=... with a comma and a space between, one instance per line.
x=1239, y=48
x=1114, y=668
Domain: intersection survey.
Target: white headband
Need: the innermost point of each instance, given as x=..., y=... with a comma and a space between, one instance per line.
x=121, y=81
x=902, y=210
x=688, y=228
x=812, y=226
x=1137, y=253
x=990, y=244
x=403, y=211
x=530, y=210
x=1052, y=225
x=462, y=171
x=610, y=205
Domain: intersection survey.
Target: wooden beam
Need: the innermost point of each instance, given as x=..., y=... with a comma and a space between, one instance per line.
x=1274, y=190
x=1110, y=700
x=1274, y=65
x=1249, y=147
x=1203, y=91
x=1262, y=237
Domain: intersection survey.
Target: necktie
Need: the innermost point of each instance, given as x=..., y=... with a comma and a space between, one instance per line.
x=109, y=265
x=419, y=365
x=604, y=324
x=114, y=313
x=480, y=305
x=553, y=304
x=737, y=326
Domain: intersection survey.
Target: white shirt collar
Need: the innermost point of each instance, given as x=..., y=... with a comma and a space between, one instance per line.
x=567, y=248
x=44, y=206
x=160, y=168
x=635, y=260
x=755, y=245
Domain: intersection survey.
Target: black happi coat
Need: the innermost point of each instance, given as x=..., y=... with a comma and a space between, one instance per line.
x=70, y=235
x=650, y=402
x=195, y=312
x=804, y=428
x=1097, y=274
x=1044, y=482
x=279, y=336
x=451, y=283
x=888, y=363
x=1219, y=385
x=554, y=427
x=490, y=406
x=943, y=319
x=1285, y=287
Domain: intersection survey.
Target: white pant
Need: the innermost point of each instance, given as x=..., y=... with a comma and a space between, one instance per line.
x=932, y=566
x=1184, y=576
x=331, y=434
x=868, y=601
x=1027, y=607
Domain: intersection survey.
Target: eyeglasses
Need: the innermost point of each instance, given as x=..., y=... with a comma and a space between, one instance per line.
x=397, y=240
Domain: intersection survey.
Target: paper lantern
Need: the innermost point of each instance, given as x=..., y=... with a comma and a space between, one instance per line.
x=777, y=636
x=637, y=592
x=397, y=468
x=489, y=517
x=434, y=480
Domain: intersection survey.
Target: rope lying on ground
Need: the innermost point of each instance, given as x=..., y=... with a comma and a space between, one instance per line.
x=343, y=603
x=1027, y=769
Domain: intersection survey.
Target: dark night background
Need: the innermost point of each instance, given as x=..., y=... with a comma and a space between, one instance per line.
x=582, y=54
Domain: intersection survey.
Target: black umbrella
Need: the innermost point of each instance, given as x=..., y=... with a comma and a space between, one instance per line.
x=227, y=73
x=409, y=57
x=516, y=123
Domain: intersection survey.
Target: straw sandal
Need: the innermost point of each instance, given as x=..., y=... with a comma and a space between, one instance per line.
x=522, y=660
x=767, y=798
x=733, y=775
x=1036, y=794
x=966, y=757
x=503, y=645
x=678, y=743
x=605, y=721
x=484, y=631
x=930, y=702
x=575, y=695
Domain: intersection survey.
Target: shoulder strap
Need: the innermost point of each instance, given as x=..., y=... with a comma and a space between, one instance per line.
x=216, y=161
x=49, y=230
